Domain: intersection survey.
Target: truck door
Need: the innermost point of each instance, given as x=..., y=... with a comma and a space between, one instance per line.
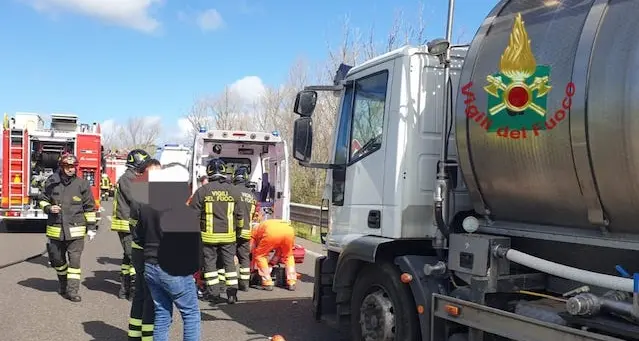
x=357, y=190
x=279, y=177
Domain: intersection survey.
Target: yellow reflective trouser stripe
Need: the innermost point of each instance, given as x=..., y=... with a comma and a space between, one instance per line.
x=231, y=278
x=90, y=217
x=54, y=232
x=78, y=231
x=132, y=271
x=73, y=273
x=125, y=268
x=211, y=278
x=135, y=327
x=147, y=327
x=221, y=275
x=61, y=270
x=132, y=222
x=136, y=246
x=44, y=204
x=245, y=273
x=120, y=225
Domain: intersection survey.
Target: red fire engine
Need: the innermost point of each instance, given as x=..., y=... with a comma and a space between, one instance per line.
x=30, y=155
x=114, y=167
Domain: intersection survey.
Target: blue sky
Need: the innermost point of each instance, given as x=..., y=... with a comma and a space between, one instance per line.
x=153, y=57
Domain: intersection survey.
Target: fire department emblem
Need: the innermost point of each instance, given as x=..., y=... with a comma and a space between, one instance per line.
x=518, y=93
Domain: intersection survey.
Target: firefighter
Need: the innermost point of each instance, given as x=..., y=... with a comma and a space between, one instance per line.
x=136, y=161
x=105, y=186
x=142, y=311
x=70, y=207
x=278, y=235
x=218, y=219
x=248, y=203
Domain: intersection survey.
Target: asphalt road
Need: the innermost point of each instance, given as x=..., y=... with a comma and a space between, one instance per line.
x=32, y=310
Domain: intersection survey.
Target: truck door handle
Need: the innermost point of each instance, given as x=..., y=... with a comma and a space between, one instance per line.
x=374, y=219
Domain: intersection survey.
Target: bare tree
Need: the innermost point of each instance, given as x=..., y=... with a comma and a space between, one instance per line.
x=225, y=109
x=141, y=132
x=200, y=116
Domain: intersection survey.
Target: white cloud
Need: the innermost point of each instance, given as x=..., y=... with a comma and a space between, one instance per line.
x=127, y=13
x=249, y=88
x=209, y=20
x=206, y=20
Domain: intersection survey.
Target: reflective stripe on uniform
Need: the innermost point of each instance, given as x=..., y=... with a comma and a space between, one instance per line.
x=147, y=332
x=132, y=222
x=54, y=232
x=120, y=225
x=78, y=231
x=135, y=327
x=61, y=270
x=245, y=274
x=221, y=275
x=209, y=235
x=117, y=224
x=211, y=278
x=136, y=246
x=44, y=204
x=231, y=278
x=132, y=271
x=90, y=217
x=125, y=268
x=73, y=273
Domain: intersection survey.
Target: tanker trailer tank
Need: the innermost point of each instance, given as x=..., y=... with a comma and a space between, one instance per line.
x=548, y=133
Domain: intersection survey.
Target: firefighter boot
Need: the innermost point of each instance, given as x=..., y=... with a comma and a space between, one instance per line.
x=231, y=295
x=213, y=294
x=243, y=285
x=73, y=287
x=124, y=286
x=62, y=282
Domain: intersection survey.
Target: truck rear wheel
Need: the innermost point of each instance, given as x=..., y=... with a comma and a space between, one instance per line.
x=382, y=308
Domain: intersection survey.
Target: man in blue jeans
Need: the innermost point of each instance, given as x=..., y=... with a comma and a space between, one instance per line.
x=169, y=233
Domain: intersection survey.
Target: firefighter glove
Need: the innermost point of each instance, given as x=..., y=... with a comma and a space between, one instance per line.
x=91, y=234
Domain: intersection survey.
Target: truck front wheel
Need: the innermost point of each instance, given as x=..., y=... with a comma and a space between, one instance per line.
x=382, y=307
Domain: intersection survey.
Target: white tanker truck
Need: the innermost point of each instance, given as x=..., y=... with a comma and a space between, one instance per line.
x=489, y=191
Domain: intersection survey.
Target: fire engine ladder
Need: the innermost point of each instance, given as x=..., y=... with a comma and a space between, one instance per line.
x=16, y=168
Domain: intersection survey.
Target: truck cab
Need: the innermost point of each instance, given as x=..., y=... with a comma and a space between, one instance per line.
x=263, y=153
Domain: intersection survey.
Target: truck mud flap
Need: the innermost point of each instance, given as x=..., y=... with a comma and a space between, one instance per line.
x=502, y=323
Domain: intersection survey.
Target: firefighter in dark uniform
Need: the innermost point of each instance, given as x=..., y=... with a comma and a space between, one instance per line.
x=70, y=207
x=136, y=161
x=142, y=312
x=248, y=203
x=219, y=217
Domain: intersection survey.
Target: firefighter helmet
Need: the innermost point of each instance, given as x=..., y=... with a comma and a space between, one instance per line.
x=68, y=159
x=241, y=174
x=137, y=160
x=216, y=169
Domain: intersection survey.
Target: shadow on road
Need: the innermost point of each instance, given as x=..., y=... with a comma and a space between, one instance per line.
x=287, y=317
x=40, y=284
x=105, y=281
x=42, y=260
x=100, y=331
x=109, y=260
x=22, y=227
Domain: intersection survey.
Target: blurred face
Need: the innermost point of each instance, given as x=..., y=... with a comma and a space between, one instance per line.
x=69, y=170
x=152, y=168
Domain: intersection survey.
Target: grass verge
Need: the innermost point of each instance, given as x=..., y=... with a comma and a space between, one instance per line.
x=306, y=231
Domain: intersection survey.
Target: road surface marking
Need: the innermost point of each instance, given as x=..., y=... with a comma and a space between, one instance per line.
x=314, y=254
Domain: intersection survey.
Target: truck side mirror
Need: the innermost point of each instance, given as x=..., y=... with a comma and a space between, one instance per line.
x=303, y=139
x=305, y=102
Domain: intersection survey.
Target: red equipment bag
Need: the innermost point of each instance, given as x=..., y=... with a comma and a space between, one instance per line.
x=299, y=252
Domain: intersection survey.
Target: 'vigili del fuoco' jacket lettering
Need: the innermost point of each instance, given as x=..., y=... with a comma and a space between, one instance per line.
x=77, y=204
x=247, y=203
x=122, y=202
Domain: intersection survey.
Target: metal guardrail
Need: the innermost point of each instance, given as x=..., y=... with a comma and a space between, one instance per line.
x=309, y=214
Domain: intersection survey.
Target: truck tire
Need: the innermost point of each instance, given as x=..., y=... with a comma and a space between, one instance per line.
x=382, y=307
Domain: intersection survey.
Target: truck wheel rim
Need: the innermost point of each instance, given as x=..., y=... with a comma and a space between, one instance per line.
x=377, y=316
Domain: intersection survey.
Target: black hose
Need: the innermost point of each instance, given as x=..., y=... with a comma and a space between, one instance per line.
x=23, y=260
x=439, y=220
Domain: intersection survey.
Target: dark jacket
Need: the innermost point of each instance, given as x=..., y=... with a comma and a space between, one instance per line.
x=77, y=204
x=122, y=202
x=247, y=204
x=177, y=253
x=219, y=213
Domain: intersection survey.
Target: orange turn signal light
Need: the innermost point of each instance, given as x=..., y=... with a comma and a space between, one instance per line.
x=406, y=278
x=452, y=310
